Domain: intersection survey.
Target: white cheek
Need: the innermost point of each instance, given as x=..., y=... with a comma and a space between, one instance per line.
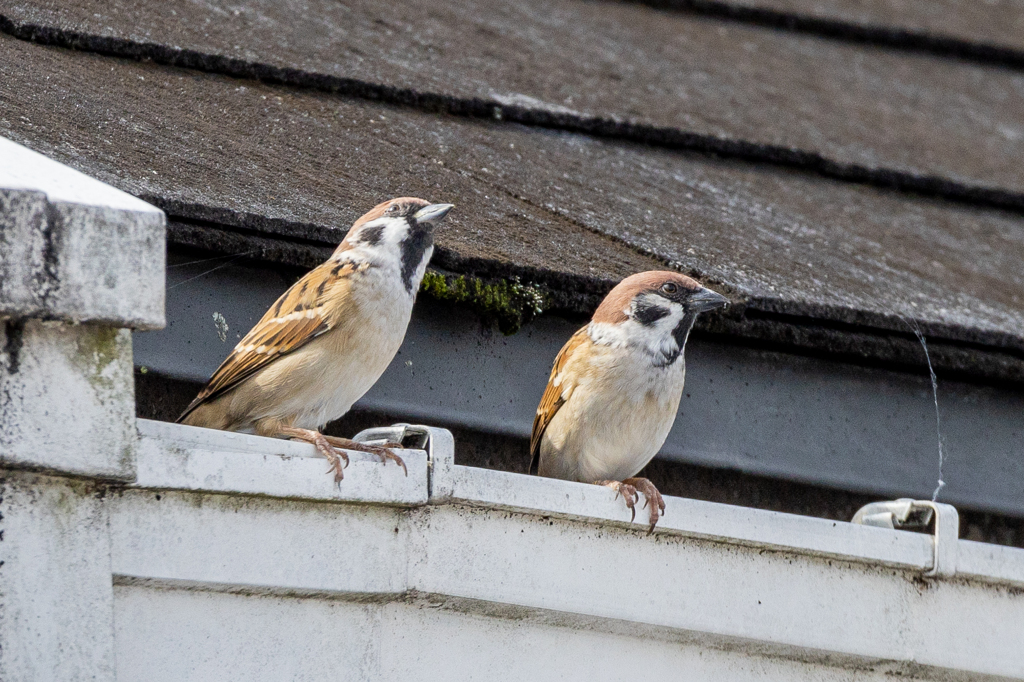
x=605, y=334
x=667, y=325
x=394, y=233
x=656, y=339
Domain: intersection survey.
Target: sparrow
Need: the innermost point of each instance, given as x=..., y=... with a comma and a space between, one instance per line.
x=615, y=387
x=328, y=338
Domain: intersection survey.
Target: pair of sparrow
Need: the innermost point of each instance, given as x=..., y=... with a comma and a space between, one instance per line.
x=608, y=407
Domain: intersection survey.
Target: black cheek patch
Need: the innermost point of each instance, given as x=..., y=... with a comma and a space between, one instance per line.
x=649, y=313
x=372, y=236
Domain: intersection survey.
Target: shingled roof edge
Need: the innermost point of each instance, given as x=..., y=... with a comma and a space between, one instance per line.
x=875, y=35
x=928, y=186
x=773, y=324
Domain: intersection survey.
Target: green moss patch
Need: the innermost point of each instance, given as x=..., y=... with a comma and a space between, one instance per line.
x=508, y=302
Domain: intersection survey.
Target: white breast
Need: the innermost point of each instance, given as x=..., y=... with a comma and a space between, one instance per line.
x=616, y=419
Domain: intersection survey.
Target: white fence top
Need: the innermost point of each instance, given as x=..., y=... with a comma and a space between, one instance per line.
x=21, y=168
x=554, y=552
x=186, y=458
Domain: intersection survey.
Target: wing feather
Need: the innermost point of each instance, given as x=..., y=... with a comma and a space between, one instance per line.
x=295, y=319
x=560, y=387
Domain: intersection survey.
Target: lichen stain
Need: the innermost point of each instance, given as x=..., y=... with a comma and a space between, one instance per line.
x=126, y=460
x=99, y=354
x=69, y=504
x=507, y=302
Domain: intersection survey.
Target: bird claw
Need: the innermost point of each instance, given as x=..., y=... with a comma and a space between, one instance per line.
x=323, y=446
x=383, y=451
x=651, y=494
x=628, y=493
x=334, y=456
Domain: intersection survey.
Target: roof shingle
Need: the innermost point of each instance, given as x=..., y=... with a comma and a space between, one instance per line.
x=682, y=79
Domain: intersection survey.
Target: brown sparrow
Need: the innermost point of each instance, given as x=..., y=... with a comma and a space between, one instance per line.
x=327, y=339
x=615, y=387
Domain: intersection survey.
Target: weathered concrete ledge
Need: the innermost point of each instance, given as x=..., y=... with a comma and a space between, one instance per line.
x=56, y=597
x=67, y=399
x=75, y=249
x=81, y=264
x=175, y=457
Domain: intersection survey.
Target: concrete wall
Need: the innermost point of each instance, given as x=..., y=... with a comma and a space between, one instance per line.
x=81, y=264
x=136, y=550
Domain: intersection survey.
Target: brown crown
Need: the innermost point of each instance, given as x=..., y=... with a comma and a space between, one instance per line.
x=615, y=303
x=376, y=212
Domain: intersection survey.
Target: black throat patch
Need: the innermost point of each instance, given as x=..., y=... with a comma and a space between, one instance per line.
x=413, y=247
x=682, y=329
x=680, y=333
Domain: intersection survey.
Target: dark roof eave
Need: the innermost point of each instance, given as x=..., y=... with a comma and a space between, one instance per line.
x=770, y=324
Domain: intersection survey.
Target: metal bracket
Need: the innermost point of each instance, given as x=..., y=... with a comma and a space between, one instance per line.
x=908, y=513
x=439, y=444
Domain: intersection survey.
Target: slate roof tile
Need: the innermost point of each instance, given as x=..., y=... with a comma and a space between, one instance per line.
x=277, y=161
x=769, y=92
x=988, y=22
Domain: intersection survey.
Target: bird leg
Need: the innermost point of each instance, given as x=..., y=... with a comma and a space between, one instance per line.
x=323, y=446
x=383, y=451
x=654, y=498
x=627, y=491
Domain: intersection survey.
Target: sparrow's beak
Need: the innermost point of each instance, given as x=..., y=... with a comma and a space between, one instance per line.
x=705, y=299
x=432, y=214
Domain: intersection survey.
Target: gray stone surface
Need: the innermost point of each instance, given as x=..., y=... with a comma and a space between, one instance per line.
x=74, y=249
x=56, y=596
x=994, y=22
x=298, y=167
x=67, y=399
x=852, y=104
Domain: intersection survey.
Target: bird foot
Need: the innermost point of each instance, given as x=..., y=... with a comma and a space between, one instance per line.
x=383, y=451
x=323, y=446
x=627, y=491
x=654, y=499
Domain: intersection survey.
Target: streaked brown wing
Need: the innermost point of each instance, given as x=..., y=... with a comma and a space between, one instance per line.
x=295, y=319
x=554, y=395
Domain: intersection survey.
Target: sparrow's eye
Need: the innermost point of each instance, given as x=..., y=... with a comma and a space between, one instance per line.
x=392, y=209
x=669, y=287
